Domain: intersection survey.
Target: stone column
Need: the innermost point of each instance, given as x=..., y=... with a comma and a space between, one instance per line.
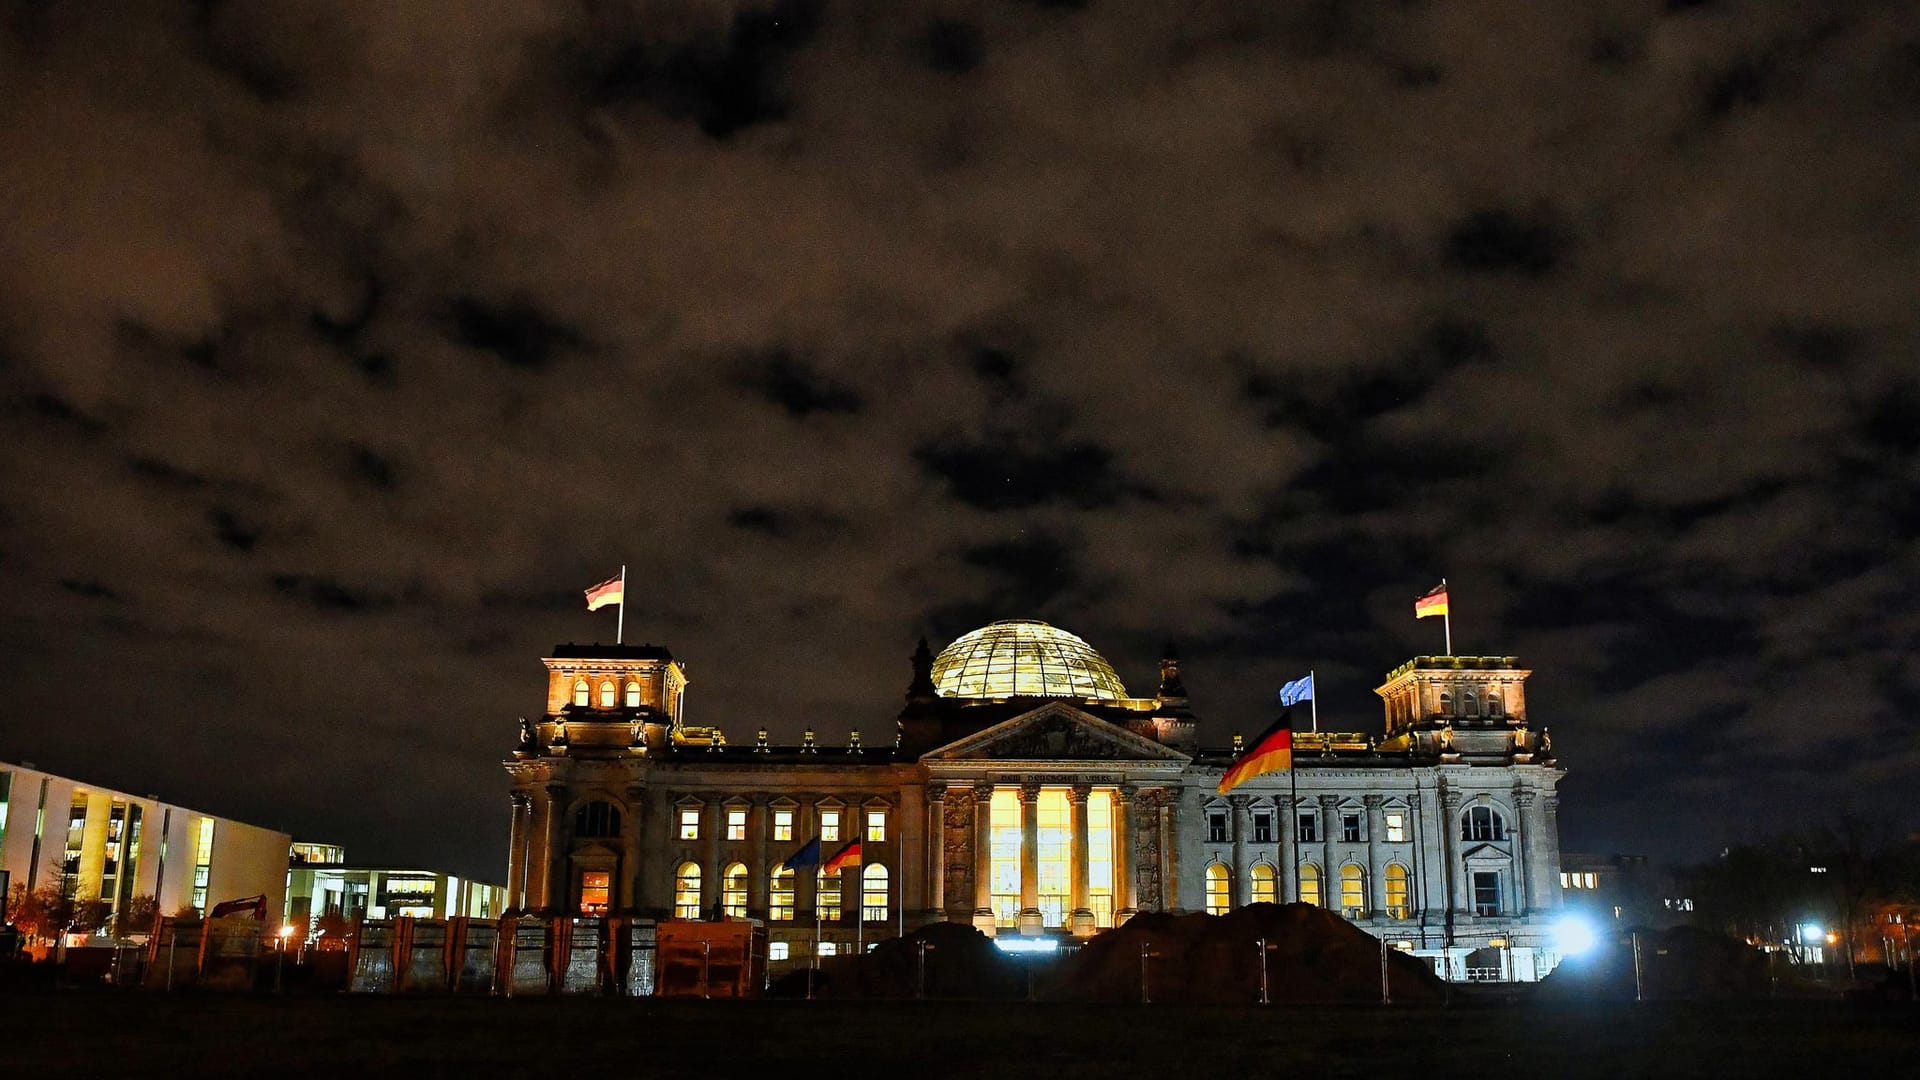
x=634, y=841
x=1450, y=853
x=1376, y=874
x=1240, y=896
x=1080, y=921
x=1547, y=851
x=983, y=916
x=1168, y=839
x=1125, y=876
x=759, y=824
x=1289, y=883
x=713, y=813
x=1329, y=873
x=553, y=884
x=1030, y=918
x=522, y=805
x=936, y=852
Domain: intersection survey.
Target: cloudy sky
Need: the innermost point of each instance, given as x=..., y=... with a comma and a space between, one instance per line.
x=342, y=345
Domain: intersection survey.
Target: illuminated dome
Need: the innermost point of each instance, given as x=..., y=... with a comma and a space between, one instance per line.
x=1024, y=658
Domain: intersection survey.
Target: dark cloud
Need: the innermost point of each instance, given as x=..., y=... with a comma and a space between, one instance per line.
x=348, y=343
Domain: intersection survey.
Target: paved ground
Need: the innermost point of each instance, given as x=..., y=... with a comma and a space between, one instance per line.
x=113, y=1034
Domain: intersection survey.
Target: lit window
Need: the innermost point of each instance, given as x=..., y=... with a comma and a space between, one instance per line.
x=873, y=893
x=1307, y=827
x=593, y=892
x=829, y=948
x=1263, y=828
x=1566, y=880
x=1217, y=826
x=780, y=897
x=1055, y=827
x=876, y=826
x=689, y=824
x=580, y=693
x=783, y=824
x=827, y=898
x=1482, y=823
x=1310, y=884
x=1003, y=855
x=1266, y=884
x=1396, y=828
x=736, y=824
x=776, y=950
x=1350, y=828
x=1397, y=905
x=1486, y=892
x=1353, y=891
x=1587, y=880
x=1100, y=857
x=633, y=695
x=734, y=891
x=1219, y=889
x=686, y=891
x=830, y=826
x=606, y=695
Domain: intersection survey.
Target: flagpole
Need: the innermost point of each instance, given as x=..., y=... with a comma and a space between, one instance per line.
x=1446, y=617
x=620, y=628
x=860, y=904
x=1314, y=685
x=819, y=880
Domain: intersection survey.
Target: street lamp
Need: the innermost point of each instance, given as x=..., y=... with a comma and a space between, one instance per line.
x=280, y=965
x=1262, y=943
x=706, y=957
x=1146, y=953
x=920, y=987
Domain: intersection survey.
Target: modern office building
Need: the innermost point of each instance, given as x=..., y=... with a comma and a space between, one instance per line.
x=320, y=880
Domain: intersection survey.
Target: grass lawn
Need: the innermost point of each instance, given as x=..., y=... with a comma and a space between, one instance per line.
x=113, y=1034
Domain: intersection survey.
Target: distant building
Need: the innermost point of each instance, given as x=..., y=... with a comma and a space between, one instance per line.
x=319, y=881
x=1623, y=891
x=97, y=844
x=1024, y=791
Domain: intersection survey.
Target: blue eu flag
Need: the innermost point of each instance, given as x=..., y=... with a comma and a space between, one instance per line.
x=806, y=856
x=1298, y=690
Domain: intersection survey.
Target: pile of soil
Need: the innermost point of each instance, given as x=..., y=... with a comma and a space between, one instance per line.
x=961, y=962
x=1683, y=963
x=1313, y=957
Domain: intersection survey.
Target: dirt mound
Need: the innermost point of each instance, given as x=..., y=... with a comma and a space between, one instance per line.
x=961, y=962
x=1313, y=957
x=1680, y=963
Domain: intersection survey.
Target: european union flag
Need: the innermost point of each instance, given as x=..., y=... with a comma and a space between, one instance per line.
x=1297, y=691
x=806, y=856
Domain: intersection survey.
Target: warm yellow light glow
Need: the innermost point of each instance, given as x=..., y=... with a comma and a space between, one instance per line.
x=780, y=897
x=827, y=897
x=1353, y=891
x=689, y=824
x=829, y=826
x=593, y=892
x=783, y=825
x=873, y=893
x=733, y=886
x=1310, y=884
x=1003, y=873
x=1020, y=657
x=1219, y=889
x=1397, y=905
x=1055, y=814
x=1266, y=884
x=736, y=824
x=876, y=826
x=686, y=891
x=1100, y=856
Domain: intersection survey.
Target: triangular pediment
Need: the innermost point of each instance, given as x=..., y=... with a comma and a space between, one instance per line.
x=1055, y=731
x=1486, y=853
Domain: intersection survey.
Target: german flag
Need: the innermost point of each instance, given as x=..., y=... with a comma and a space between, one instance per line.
x=846, y=856
x=1271, y=752
x=1434, y=603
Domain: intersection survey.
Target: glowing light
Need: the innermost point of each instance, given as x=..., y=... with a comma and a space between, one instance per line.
x=1575, y=936
x=286, y=932
x=1811, y=933
x=1024, y=658
x=1026, y=945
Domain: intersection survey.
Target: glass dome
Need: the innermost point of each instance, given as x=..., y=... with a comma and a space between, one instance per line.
x=1024, y=658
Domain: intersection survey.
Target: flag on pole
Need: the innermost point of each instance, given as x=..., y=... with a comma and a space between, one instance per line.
x=611, y=591
x=1434, y=603
x=808, y=855
x=849, y=855
x=1298, y=690
x=1271, y=752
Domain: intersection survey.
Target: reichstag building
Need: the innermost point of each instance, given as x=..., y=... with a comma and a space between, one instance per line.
x=1024, y=790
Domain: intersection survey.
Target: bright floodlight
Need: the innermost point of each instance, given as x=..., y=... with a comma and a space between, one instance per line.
x=1026, y=945
x=1575, y=935
x=286, y=931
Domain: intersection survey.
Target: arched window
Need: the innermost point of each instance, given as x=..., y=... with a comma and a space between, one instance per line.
x=1469, y=704
x=1219, y=889
x=828, y=896
x=1266, y=884
x=780, y=897
x=1482, y=823
x=873, y=893
x=580, y=693
x=596, y=820
x=1446, y=703
x=1310, y=884
x=606, y=695
x=633, y=695
x=1494, y=708
x=1353, y=891
x=686, y=891
x=1397, y=903
x=733, y=891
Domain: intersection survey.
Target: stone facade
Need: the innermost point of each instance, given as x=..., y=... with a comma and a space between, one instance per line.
x=1036, y=814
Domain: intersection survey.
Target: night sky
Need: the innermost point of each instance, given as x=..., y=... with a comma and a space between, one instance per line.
x=342, y=345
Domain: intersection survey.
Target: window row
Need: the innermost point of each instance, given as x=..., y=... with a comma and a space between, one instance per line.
x=828, y=893
x=780, y=825
x=1306, y=827
x=1264, y=884
x=1470, y=704
x=1581, y=880
x=609, y=694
